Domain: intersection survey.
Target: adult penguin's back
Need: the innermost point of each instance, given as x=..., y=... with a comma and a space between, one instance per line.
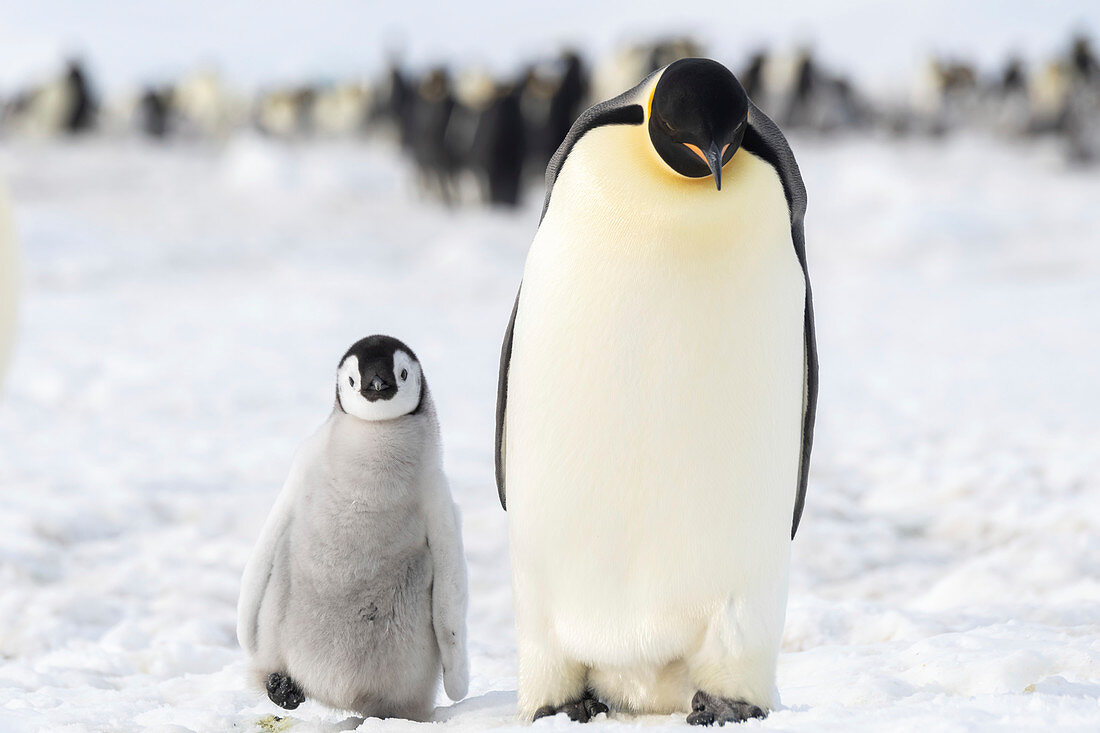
x=656, y=403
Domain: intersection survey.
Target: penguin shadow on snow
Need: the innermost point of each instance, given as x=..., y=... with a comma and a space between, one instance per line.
x=480, y=710
x=280, y=723
x=493, y=709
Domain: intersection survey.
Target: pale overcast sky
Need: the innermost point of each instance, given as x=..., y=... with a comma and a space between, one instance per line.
x=132, y=41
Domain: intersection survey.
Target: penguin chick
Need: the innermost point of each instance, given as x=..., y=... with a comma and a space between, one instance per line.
x=355, y=594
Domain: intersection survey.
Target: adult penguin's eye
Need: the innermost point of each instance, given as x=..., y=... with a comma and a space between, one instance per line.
x=404, y=374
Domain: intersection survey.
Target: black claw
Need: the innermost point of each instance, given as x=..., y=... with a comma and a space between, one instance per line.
x=701, y=717
x=284, y=692
x=594, y=707
x=579, y=711
x=710, y=709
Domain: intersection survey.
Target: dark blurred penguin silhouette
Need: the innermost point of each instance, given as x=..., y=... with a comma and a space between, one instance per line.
x=753, y=78
x=566, y=103
x=1081, y=119
x=82, y=106
x=154, y=110
x=436, y=161
x=500, y=149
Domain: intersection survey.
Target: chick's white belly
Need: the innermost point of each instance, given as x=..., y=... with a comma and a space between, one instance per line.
x=652, y=445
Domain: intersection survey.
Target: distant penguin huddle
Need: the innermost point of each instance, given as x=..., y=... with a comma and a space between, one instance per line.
x=497, y=132
x=651, y=503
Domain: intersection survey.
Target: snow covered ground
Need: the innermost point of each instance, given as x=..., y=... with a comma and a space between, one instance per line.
x=184, y=309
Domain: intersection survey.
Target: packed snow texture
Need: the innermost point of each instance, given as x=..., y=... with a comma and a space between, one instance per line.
x=184, y=308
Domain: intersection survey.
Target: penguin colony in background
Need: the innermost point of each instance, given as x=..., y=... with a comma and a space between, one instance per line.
x=355, y=594
x=470, y=135
x=657, y=394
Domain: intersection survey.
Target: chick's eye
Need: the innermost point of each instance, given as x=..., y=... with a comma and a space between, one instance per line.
x=404, y=374
x=351, y=381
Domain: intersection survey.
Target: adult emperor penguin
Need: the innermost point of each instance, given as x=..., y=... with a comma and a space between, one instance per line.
x=356, y=590
x=656, y=407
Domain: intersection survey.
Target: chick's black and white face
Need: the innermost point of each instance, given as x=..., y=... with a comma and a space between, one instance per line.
x=697, y=117
x=379, y=379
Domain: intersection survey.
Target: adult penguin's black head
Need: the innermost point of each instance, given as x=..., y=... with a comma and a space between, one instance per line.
x=698, y=116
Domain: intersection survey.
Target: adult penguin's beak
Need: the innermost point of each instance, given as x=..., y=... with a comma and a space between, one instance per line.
x=714, y=160
x=712, y=156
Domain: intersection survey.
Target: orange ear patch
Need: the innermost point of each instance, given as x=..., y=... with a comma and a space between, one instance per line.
x=695, y=149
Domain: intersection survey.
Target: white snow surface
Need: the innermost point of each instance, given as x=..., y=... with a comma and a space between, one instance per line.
x=184, y=309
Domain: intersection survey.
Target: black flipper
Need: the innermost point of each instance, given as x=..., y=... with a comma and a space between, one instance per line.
x=764, y=140
x=502, y=400
x=618, y=111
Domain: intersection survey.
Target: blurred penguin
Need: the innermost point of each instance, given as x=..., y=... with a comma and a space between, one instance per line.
x=154, y=112
x=435, y=160
x=1047, y=92
x=663, y=52
x=618, y=71
x=8, y=285
x=499, y=149
x=623, y=69
x=536, y=98
x=475, y=92
x=1013, y=77
x=753, y=78
x=1083, y=60
x=205, y=108
x=81, y=113
x=37, y=112
x=566, y=104
x=798, y=91
x=1082, y=110
x=61, y=106
x=777, y=75
x=945, y=95
x=393, y=106
x=340, y=110
x=286, y=112
x=1009, y=108
x=800, y=103
x=277, y=113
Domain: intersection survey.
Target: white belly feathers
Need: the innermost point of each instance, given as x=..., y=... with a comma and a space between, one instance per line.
x=655, y=400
